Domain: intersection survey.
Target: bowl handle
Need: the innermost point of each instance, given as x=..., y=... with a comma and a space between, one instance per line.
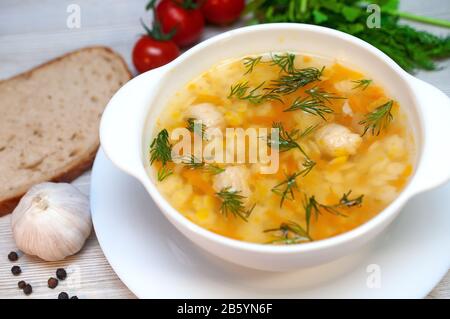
x=435, y=160
x=123, y=121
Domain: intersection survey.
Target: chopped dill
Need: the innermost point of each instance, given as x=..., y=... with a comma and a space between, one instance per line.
x=163, y=173
x=378, y=119
x=363, y=84
x=313, y=207
x=242, y=91
x=287, y=139
x=160, y=148
x=321, y=95
x=192, y=162
x=286, y=188
x=194, y=126
x=284, y=61
x=310, y=105
x=250, y=63
x=160, y=151
x=310, y=129
x=232, y=203
x=289, y=233
x=291, y=82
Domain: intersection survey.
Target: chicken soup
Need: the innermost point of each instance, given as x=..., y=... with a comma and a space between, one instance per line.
x=340, y=147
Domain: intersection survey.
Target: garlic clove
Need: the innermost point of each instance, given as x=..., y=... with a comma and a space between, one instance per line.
x=52, y=221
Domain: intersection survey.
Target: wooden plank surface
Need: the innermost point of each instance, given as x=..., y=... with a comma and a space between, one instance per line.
x=31, y=32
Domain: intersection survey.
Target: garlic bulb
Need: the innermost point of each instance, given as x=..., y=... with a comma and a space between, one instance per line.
x=51, y=221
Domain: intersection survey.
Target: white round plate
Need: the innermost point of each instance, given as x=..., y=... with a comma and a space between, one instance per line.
x=155, y=261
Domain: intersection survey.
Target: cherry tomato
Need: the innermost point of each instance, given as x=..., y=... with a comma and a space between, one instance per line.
x=188, y=23
x=149, y=53
x=222, y=12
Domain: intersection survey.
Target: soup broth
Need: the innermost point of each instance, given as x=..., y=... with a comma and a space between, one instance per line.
x=345, y=149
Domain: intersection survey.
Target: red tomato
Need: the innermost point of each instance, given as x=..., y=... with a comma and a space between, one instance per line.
x=222, y=11
x=149, y=53
x=188, y=23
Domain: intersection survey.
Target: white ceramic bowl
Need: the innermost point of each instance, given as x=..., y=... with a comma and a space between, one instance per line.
x=129, y=119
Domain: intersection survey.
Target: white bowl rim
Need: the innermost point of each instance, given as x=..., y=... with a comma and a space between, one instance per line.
x=322, y=244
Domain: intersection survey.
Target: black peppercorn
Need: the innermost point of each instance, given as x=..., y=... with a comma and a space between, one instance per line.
x=52, y=283
x=63, y=295
x=12, y=256
x=61, y=273
x=16, y=270
x=21, y=284
x=74, y=297
x=27, y=290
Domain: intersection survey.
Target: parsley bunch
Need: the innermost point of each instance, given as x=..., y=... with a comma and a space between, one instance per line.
x=410, y=48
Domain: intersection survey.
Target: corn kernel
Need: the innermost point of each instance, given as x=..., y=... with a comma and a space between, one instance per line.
x=202, y=214
x=339, y=160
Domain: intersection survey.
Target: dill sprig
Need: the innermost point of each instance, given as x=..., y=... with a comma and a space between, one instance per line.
x=214, y=169
x=286, y=188
x=308, y=165
x=345, y=201
x=378, y=119
x=163, y=173
x=289, y=233
x=287, y=140
x=310, y=105
x=313, y=207
x=250, y=63
x=309, y=130
x=160, y=148
x=193, y=126
x=160, y=151
x=321, y=95
x=291, y=82
x=314, y=103
x=242, y=91
x=363, y=84
x=193, y=162
x=232, y=203
x=284, y=61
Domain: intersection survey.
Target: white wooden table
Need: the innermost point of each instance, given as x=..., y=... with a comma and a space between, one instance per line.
x=32, y=32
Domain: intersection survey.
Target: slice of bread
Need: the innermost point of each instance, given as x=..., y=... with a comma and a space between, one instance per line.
x=49, y=119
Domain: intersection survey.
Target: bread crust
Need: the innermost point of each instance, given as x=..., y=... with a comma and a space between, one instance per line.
x=76, y=169
x=28, y=73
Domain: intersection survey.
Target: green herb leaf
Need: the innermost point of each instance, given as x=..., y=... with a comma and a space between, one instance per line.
x=232, y=203
x=194, y=126
x=192, y=162
x=286, y=188
x=313, y=208
x=319, y=17
x=291, y=82
x=250, y=63
x=410, y=48
x=242, y=91
x=363, y=84
x=289, y=233
x=321, y=95
x=163, y=173
x=160, y=148
x=284, y=61
x=351, y=13
x=378, y=119
x=311, y=106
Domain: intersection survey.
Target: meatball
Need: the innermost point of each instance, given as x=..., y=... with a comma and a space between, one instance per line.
x=208, y=114
x=235, y=178
x=336, y=140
